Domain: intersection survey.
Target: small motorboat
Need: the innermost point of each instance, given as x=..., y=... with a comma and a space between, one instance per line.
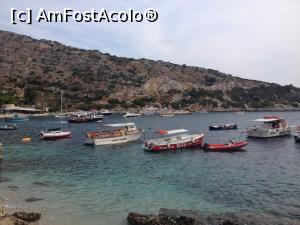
x=9, y=127
x=231, y=146
x=106, y=112
x=229, y=126
x=26, y=139
x=174, y=142
x=128, y=114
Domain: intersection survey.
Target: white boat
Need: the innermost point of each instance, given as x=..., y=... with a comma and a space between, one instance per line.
x=124, y=132
x=128, y=114
x=106, y=112
x=85, y=117
x=174, y=142
x=272, y=126
x=57, y=132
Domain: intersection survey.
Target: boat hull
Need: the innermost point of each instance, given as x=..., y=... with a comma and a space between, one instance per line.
x=114, y=140
x=8, y=128
x=53, y=137
x=268, y=133
x=197, y=141
x=85, y=120
x=237, y=146
x=232, y=127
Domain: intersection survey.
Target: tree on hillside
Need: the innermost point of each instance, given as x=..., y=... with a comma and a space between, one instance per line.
x=30, y=95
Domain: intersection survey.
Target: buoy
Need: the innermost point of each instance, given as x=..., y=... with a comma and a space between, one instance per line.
x=26, y=139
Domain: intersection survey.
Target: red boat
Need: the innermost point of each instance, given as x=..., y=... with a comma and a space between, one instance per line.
x=232, y=146
x=174, y=142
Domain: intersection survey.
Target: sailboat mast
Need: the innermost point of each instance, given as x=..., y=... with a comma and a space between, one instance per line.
x=61, y=110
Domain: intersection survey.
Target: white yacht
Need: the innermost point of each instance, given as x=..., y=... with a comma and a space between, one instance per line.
x=272, y=126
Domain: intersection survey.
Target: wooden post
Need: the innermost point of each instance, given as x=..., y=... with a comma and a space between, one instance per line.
x=1, y=152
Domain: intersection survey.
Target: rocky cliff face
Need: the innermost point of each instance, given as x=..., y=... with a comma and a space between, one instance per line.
x=34, y=71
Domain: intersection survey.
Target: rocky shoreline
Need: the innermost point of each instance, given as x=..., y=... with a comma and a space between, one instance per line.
x=19, y=218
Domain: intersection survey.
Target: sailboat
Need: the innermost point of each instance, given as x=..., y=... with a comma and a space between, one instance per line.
x=57, y=133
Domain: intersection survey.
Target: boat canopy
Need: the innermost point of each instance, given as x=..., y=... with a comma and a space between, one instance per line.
x=119, y=125
x=268, y=119
x=172, y=131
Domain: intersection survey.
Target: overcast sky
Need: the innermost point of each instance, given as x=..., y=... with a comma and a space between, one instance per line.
x=257, y=39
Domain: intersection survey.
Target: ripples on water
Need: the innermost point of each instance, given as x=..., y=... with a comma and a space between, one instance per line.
x=100, y=185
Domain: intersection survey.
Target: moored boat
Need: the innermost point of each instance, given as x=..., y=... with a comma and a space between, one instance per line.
x=229, y=126
x=84, y=117
x=272, y=126
x=231, y=146
x=124, y=132
x=174, y=142
x=56, y=133
x=106, y=112
x=128, y=114
x=9, y=127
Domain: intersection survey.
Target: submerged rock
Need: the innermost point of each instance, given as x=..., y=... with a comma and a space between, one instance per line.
x=4, y=179
x=42, y=183
x=27, y=217
x=175, y=218
x=33, y=199
x=161, y=219
x=12, y=187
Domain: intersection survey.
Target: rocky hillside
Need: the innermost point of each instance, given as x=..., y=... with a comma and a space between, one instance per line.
x=34, y=71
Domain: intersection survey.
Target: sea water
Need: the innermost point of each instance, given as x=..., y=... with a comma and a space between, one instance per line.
x=81, y=184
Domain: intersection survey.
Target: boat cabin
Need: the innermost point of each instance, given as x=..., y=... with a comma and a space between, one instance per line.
x=272, y=122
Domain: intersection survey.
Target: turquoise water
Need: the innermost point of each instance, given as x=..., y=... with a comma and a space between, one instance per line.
x=100, y=185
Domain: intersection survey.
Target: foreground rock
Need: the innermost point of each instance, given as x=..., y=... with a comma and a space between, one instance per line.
x=161, y=219
x=28, y=217
x=174, y=217
x=19, y=218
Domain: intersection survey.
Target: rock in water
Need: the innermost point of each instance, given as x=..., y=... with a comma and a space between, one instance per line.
x=161, y=219
x=4, y=179
x=27, y=217
x=33, y=199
